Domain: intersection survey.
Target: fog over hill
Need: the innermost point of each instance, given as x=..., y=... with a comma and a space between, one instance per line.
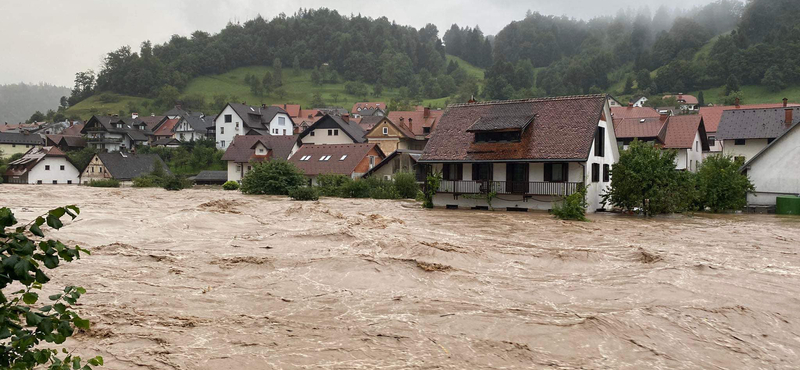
x=19, y=101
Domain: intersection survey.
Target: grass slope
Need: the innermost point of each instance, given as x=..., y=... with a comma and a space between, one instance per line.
x=298, y=88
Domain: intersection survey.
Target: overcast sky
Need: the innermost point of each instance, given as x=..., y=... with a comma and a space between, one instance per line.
x=50, y=40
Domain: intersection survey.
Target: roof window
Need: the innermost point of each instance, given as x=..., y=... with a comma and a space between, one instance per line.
x=343, y=157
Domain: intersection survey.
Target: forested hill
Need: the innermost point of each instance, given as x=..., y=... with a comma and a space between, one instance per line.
x=635, y=52
x=19, y=101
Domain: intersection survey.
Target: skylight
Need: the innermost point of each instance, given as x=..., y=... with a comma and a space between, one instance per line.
x=305, y=158
x=343, y=157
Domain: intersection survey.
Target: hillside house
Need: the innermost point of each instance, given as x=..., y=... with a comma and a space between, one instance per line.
x=746, y=132
x=13, y=142
x=686, y=134
x=531, y=153
x=774, y=170
x=420, y=122
x=112, y=133
x=247, y=149
x=362, y=109
x=193, y=127
x=712, y=116
x=120, y=166
x=166, y=129
x=353, y=160
x=332, y=129
x=241, y=119
x=638, y=101
x=687, y=103
x=42, y=165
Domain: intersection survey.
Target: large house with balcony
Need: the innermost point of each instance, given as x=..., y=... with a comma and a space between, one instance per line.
x=531, y=153
x=112, y=133
x=746, y=132
x=241, y=119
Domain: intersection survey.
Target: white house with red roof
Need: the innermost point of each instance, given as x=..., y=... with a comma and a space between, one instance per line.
x=46, y=165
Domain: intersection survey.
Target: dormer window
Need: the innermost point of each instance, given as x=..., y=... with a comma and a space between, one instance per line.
x=498, y=137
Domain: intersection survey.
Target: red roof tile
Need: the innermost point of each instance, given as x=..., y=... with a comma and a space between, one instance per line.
x=167, y=128
x=74, y=130
x=633, y=112
x=416, y=120
x=712, y=115
x=563, y=128
x=681, y=131
x=689, y=99
x=367, y=105
x=640, y=128
x=292, y=109
x=343, y=158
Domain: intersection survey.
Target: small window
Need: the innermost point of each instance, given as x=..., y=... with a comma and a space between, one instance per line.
x=739, y=142
x=712, y=140
x=38, y=182
x=343, y=157
x=330, y=132
x=222, y=131
x=55, y=181
x=47, y=167
x=386, y=131
x=284, y=131
x=228, y=118
x=222, y=143
x=322, y=158
x=312, y=133
x=606, y=173
x=600, y=142
x=371, y=161
x=335, y=132
x=69, y=182
x=595, y=172
x=281, y=121
x=249, y=168
x=62, y=168
x=426, y=130
x=13, y=145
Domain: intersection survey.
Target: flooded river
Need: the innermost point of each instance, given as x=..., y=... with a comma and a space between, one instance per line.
x=208, y=279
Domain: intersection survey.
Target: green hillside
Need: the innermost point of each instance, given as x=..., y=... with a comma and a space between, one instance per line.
x=297, y=87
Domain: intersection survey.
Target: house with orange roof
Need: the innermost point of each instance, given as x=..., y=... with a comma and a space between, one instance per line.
x=42, y=165
x=684, y=133
x=686, y=102
x=420, y=122
x=712, y=116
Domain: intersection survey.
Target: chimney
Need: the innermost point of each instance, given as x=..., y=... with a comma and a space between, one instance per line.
x=737, y=102
x=134, y=115
x=663, y=115
x=427, y=111
x=263, y=106
x=472, y=100
x=346, y=117
x=788, y=112
x=785, y=102
x=284, y=106
x=410, y=124
x=630, y=104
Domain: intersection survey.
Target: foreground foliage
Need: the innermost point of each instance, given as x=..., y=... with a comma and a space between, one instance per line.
x=403, y=186
x=304, y=193
x=106, y=183
x=274, y=177
x=160, y=178
x=190, y=158
x=573, y=207
x=720, y=184
x=24, y=326
x=230, y=185
x=432, y=183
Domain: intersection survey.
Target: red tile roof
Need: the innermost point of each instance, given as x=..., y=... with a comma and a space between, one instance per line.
x=416, y=120
x=367, y=105
x=712, y=115
x=74, y=130
x=640, y=128
x=343, y=158
x=689, y=99
x=633, y=112
x=242, y=149
x=681, y=131
x=167, y=128
x=292, y=109
x=151, y=121
x=563, y=129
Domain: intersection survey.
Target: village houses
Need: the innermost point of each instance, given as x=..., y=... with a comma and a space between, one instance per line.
x=248, y=149
x=42, y=165
x=685, y=134
x=745, y=132
x=14, y=142
x=241, y=119
x=120, y=166
x=112, y=133
x=352, y=160
x=530, y=153
x=712, y=115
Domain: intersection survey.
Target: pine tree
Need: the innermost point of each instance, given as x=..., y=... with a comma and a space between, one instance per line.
x=732, y=85
x=701, y=100
x=628, y=86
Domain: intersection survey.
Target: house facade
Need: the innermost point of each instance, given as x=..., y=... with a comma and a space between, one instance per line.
x=42, y=165
x=391, y=137
x=530, y=153
x=687, y=103
x=712, y=116
x=420, y=122
x=685, y=134
x=120, y=166
x=331, y=129
x=241, y=119
x=746, y=132
x=14, y=142
x=248, y=149
x=400, y=160
x=353, y=160
x=774, y=170
x=112, y=133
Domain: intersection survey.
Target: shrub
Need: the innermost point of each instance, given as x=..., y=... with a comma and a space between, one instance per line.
x=175, y=183
x=432, y=183
x=573, y=207
x=105, y=183
x=721, y=186
x=304, y=193
x=273, y=177
x=406, y=185
x=356, y=189
x=230, y=185
x=26, y=320
x=333, y=185
x=381, y=189
x=146, y=181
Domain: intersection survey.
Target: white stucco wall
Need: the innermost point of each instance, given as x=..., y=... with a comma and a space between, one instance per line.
x=748, y=150
x=717, y=147
x=321, y=137
x=236, y=171
x=775, y=172
x=55, y=173
x=184, y=132
x=284, y=128
x=226, y=131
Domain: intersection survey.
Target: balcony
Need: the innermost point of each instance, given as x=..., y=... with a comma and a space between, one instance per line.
x=503, y=187
x=103, y=140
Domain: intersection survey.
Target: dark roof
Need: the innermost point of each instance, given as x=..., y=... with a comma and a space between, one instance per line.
x=212, y=176
x=353, y=154
x=564, y=129
x=126, y=166
x=241, y=149
x=20, y=138
x=166, y=141
x=70, y=141
x=152, y=121
x=501, y=118
x=257, y=117
x=413, y=154
x=108, y=123
x=200, y=123
x=350, y=128
x=367, y=105
x=712, y=115
x=368, y=122
x=766, y=123
x=177, y=111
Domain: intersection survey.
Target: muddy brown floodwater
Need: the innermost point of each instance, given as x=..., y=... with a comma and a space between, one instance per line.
x=209, y=279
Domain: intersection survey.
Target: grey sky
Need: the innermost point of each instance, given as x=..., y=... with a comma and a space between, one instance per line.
x=50, y=40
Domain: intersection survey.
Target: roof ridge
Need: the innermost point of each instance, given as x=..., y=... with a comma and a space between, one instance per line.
x=527, y=100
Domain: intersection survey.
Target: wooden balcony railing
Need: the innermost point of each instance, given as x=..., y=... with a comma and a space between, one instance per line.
x=514, y=187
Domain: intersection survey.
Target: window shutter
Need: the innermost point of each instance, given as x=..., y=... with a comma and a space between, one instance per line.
x=548, y=172
x=509, y=172
x=475, y=169
x=606, y=176
x=600, y=142
x=527, y=172
x=460, y=169
x=595, y=172
x=565, y=171
x=446, y=171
